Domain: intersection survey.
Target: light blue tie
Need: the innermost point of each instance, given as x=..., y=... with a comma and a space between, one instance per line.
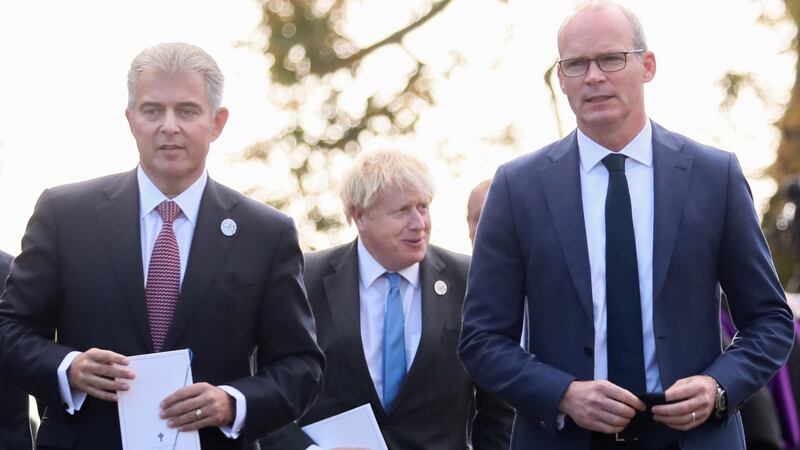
x=394, y=347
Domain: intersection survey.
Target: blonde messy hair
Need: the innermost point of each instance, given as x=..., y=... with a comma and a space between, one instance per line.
x=373, y=172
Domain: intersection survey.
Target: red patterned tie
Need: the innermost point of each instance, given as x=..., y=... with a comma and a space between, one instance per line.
x=163, y=276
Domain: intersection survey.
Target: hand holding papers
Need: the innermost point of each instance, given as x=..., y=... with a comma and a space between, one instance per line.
x=157, y=376
x=354, y=428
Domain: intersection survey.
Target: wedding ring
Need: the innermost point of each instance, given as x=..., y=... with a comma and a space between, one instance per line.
x=199, y=412
x=694, y=416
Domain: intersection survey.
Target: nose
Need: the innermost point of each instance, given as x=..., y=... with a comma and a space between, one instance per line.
x=170, y=124
x=593, y=73
x=417, y=220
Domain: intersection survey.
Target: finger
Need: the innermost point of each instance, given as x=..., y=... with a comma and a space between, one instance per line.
x=613, y=422
x=182, y=409
x=625, y=397
x=90, y=366
x=187, y=418
x=618, y=409
x=681, y=423
x=683, y=389
x=108, y=396
x=681, y=408
x=106, y=384
x=184, y=393
x=106, y=356
x=196, y=425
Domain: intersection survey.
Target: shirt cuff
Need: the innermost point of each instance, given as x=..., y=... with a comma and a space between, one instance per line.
x=233, y=431
x=72, y=399
x=314, y=447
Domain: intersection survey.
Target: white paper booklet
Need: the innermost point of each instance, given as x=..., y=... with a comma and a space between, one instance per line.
x=157, y=376
x=354, y=428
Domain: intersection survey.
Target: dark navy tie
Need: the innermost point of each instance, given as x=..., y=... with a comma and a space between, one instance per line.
x=624, y=320
x=394, y=347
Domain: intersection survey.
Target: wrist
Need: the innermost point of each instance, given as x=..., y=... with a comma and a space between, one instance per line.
x=720, y=401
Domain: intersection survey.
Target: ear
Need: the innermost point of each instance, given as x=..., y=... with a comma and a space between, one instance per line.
x=649, y=63
x=561, y=79
x=359, y=216
x=129, y=117
x=220, y=119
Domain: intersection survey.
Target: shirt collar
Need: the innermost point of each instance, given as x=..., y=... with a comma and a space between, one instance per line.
x=370, y=269
x=639, y=149
x=189, y=200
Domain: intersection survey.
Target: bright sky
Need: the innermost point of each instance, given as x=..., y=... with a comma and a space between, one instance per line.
x=63, y=87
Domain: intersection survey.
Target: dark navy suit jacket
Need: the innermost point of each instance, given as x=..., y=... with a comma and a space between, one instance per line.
x=15, y=432
x=532, y=242
x=242, y=308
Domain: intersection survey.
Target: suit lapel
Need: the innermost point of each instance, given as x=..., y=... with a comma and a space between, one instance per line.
x=342, y=292
x=561, y=183
x=208, y=253
x=672, y=171
x=118, y=222
x=434, y=320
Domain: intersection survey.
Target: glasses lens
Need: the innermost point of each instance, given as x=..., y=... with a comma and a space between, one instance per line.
x=611, y=62
x=574, y=67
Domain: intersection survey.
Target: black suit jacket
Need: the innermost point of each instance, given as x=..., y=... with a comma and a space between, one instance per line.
x=15, y=432
x=242, y=308
x=436, y=405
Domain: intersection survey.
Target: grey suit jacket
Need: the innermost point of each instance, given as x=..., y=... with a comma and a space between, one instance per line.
x=532, y=242
x=436, y=407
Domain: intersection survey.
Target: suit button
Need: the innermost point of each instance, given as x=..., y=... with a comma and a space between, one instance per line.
x=543, y=424
x=589, y=351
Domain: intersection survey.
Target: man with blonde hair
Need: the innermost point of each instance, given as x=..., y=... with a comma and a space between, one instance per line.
x=155, y=259
x=388, y=312
x=618, y=236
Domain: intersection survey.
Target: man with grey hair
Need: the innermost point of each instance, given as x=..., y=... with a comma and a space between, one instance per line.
x=156, y=259
x=618, y=236
x=388, y=311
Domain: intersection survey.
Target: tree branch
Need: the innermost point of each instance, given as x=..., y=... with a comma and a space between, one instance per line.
x=393, y=38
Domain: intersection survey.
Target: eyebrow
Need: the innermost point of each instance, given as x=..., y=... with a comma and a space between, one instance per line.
x=180, y=104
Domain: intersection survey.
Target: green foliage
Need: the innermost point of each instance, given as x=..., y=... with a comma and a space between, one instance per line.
x=315, y=70
x=778, y=218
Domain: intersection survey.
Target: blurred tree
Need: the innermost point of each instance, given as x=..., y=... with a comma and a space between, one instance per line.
x=780, y=223
x=321, y=78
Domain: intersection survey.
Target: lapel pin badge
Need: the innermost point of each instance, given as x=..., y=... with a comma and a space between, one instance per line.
x=440, y=287
x=228, y=227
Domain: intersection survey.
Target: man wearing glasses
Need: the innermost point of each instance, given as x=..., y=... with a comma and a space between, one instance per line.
x=618, y=236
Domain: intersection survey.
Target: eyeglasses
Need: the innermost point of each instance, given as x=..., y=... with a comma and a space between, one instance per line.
x=610, y=62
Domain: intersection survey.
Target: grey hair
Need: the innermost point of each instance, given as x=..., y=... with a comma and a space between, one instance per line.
x=372, y=172
x=176, y=57
x=639, y=39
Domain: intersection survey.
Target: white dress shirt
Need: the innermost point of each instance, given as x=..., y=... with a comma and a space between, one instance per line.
x=372, y=293
x=150, y=225
x=594, y=184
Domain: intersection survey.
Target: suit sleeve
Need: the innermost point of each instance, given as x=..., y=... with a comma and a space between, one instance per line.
x=491, y=427
x=290, y=437
x=29, y=310
x=289, y=363
x=493, y=316
x=757, y=303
